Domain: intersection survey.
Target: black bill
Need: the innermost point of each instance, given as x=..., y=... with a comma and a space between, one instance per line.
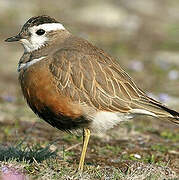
x=13, y=38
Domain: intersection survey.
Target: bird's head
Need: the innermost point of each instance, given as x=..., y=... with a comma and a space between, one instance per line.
x=37, y=32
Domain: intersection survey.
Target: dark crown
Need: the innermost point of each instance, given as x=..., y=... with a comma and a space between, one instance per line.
x=37, y=20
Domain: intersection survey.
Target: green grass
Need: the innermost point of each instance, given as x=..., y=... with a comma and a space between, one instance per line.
x=173, y=136
x=20, y=152
x=43, y=161
x=55, y=170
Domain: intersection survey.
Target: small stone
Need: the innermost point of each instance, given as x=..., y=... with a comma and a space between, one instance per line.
x=137, y=156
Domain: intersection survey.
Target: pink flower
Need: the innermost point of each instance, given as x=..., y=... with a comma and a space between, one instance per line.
x=9, y=173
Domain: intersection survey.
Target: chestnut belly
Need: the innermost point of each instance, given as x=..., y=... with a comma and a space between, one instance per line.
x=60, y=121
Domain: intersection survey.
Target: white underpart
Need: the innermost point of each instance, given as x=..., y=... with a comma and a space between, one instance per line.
x=106, y=120
x=30, y=63
x=37, y=41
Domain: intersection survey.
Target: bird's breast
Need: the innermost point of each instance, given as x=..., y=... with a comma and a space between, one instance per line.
x=45, y=99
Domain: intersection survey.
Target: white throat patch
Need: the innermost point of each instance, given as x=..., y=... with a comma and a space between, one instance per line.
x=37, y=41
x=27, y=64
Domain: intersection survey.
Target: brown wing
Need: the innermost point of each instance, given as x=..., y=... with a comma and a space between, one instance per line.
x=98, y=81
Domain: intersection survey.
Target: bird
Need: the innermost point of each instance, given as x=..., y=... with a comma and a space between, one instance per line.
x=74, y=85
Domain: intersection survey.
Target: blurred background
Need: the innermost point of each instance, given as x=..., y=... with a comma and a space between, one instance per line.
x=143, y=35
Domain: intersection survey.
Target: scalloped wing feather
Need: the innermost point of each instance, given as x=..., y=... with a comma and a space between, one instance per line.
x=97, y=80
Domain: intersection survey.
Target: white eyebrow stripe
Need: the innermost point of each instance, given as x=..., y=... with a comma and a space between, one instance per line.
x=49, y=27
x=30, y=63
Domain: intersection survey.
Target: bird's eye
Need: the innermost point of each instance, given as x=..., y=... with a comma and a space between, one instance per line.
x=40, y=32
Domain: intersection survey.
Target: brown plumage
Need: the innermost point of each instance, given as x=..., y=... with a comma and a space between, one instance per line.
x=72, y=84
x=70, y=77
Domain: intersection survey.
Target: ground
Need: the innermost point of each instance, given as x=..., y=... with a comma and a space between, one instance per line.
x=145, y=145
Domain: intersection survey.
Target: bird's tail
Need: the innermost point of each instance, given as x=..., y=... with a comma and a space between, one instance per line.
x=174, y=115
x=151, y=107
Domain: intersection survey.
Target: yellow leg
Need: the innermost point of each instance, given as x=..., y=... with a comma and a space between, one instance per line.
x=86, y=136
